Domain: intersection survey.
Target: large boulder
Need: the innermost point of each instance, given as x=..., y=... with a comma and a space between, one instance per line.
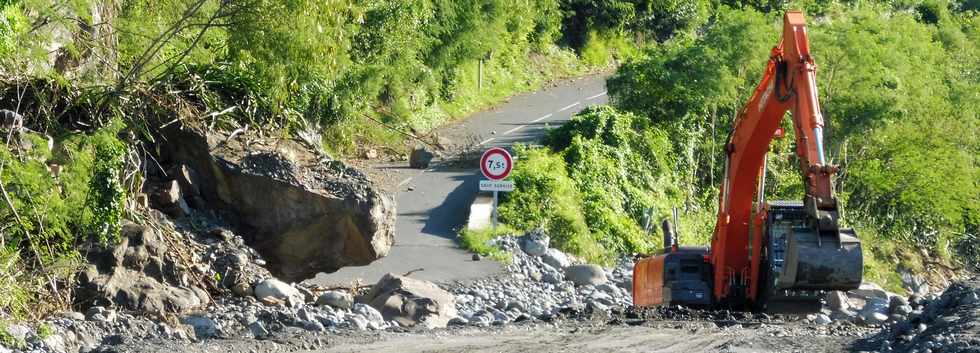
x=585, y=274
x=140, y=273
x=420, y=158
x=302, y=211
x=412, y=302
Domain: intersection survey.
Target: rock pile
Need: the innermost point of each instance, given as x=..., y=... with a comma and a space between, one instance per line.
x=948, y=323
x=868, y=305
x=541, y=283
x=141, y=274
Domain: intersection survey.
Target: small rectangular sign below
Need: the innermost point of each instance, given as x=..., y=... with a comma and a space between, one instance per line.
x=496, y=185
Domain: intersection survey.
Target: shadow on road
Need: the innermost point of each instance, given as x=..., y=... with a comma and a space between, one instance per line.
x=454, y=209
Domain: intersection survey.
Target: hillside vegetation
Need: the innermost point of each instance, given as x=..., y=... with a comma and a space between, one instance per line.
x=899, y=84
x=88, y=76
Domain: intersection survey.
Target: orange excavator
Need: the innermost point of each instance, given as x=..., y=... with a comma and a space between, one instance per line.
x=771, y=256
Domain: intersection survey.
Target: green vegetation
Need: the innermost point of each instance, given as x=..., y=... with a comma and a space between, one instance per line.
x=898, y=84
x=601, y=176
x=478, y=241
x=90, y=76
x=8, y=340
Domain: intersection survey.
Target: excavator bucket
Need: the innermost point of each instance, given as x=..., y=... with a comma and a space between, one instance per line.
x=802, y=262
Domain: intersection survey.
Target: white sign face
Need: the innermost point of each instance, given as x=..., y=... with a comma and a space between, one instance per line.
x=497, y=164
x=496, y=185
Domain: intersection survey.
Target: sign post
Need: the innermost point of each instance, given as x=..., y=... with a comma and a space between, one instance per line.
x=496, y=164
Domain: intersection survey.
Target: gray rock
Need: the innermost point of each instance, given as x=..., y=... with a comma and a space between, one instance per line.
x=914, y=283
x=598, y=306
x=291, y=199
x=55, y=343
x=837, y=301
x=242, y=289
x=19, y=332
x=420, y=158
x=553, y=278
x=100, y=314
x=535, y=243
x=12, y=121
x=875, y=318
x=369, y=313
x=336, y=299
x=870, y=290
x=307, y=294
x=136, y=274
x=556, y=258
x=822, y=319
x=585, y=274
x=358, y=322
x=411, y=302
x=903, y=310
x=608, y=289
x=895, y=302
x=258, y=330
x=274, y=288
x=204, y=327
x=71, y=315
x=970, y=298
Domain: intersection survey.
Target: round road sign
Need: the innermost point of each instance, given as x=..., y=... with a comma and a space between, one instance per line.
x=496, y=163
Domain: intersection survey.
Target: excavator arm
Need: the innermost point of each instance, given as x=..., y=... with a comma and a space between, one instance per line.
x=789, y=84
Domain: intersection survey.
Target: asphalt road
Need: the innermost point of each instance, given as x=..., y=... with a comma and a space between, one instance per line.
x=433, y=204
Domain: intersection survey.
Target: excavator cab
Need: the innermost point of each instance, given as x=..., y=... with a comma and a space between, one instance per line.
x=678, y=276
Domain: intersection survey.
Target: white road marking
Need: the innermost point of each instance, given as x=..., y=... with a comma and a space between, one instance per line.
x=541, y=118
x=487, y=141
x=514, y=129
x=403, y=182
x=597, y=96
x=569, y=106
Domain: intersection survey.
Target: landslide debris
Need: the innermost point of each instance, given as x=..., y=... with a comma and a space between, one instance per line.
x=949, y=323
x=141, y=273
x=304, y=212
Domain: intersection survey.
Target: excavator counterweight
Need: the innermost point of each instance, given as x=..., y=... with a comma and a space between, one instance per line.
x=765, y=255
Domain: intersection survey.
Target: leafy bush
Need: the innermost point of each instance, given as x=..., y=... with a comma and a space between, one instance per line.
x=606, y=173
x=547, y=197
x=58, y=200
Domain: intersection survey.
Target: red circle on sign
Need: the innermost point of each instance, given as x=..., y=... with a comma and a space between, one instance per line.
x=495, y=156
